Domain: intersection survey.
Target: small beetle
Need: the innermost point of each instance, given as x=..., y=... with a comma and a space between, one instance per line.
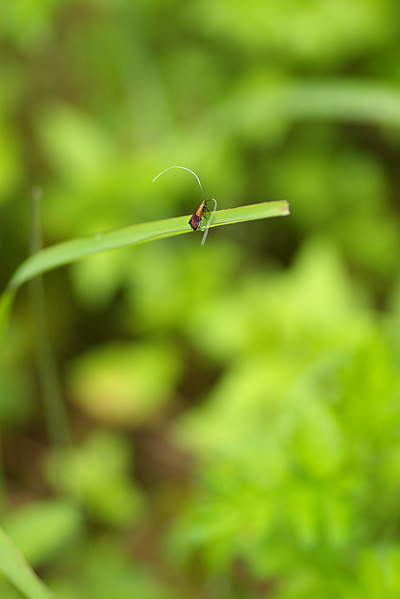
x=201, y=211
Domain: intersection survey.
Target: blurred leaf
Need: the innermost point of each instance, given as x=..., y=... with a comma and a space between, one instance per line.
x=316, y=440
x=353, y=100
x=16, y=569
x=75, y=144
x=97, y=475
x=29, y=23
x=6, y=301
x=289, y=315
x=8, y=163
x=43, y=529
x=124, y=383
x=96, y=279
x=291, y=438
x=105, y=570
x=378, y=572
x=314, y=33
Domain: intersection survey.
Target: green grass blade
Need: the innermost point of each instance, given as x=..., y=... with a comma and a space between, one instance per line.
x=75, y=249
x=341, y=100
x=16, y=570
x=6, y=301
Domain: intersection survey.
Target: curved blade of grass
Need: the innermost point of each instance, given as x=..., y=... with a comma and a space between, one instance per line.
x=16, y=570
x=75, y=249
x=353, y=100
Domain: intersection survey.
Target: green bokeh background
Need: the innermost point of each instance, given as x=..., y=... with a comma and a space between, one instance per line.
x=234, y=410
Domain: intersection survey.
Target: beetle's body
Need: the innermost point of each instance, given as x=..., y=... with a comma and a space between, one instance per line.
x=195, y=220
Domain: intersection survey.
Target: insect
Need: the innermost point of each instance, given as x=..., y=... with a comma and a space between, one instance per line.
x=202, y=210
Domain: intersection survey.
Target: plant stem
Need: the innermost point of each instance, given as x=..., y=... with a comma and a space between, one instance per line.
x=54, y=406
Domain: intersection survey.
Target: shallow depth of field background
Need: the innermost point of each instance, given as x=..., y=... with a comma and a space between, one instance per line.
x=233, y=410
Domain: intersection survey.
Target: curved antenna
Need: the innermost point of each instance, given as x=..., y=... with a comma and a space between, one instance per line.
x=185, y=169
x=208, y=225
x=206, y=228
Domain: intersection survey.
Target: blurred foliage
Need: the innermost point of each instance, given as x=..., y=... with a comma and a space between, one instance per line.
x=234, y=409
x=296, y=478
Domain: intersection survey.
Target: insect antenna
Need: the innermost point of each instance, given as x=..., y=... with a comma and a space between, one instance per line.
x=185, y=169
x=205, y=229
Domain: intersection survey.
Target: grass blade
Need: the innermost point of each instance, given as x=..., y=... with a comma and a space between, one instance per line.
x=75, y=249
x=52, y=393
x=6, y=301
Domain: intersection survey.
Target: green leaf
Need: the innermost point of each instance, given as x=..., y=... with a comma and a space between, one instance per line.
x=75, y=249
x=17, y=570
